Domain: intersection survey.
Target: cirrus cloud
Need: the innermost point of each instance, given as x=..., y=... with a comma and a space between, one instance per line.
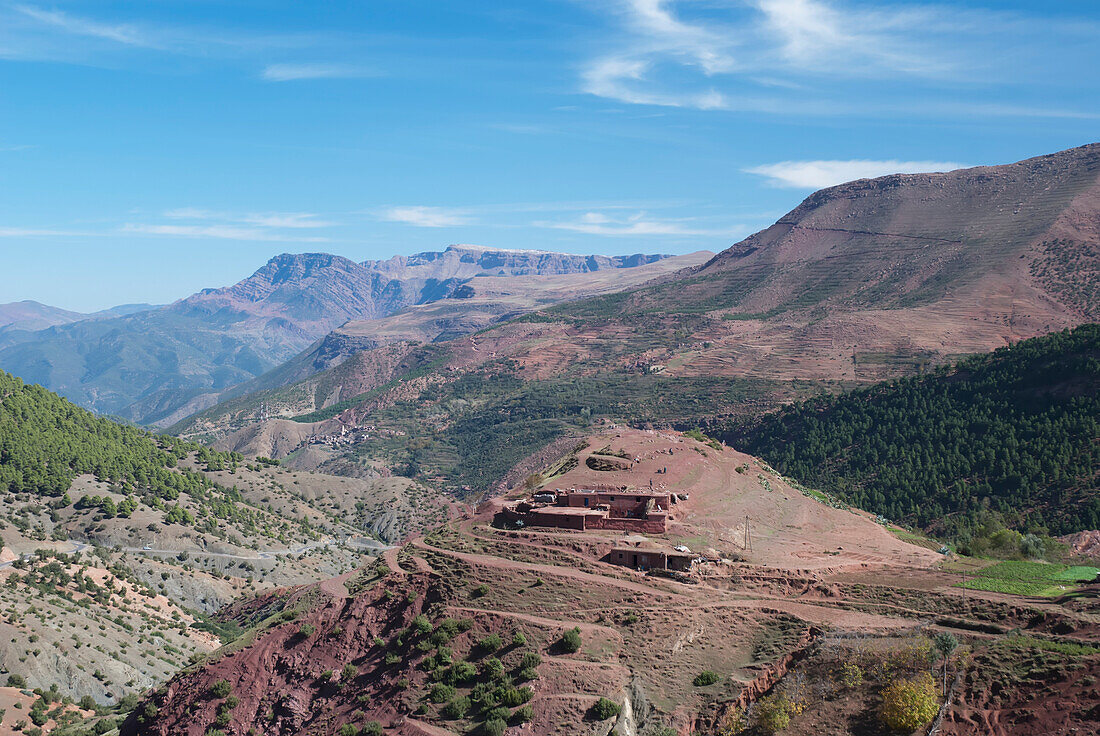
x=423, y=216
x=597, y=223
x=821, y=174
x=297, y=72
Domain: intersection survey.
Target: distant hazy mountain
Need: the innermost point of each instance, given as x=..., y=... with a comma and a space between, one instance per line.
x=152, y=364
x=30, y=316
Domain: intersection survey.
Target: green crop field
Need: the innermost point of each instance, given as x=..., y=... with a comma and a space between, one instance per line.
x=1029, y=578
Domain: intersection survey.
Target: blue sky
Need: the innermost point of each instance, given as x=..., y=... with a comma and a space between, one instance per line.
x=149, y=149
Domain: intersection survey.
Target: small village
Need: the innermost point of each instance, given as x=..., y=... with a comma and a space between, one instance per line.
x=636, y=511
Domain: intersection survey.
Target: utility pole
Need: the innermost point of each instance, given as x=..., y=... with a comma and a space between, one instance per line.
x=748, y=535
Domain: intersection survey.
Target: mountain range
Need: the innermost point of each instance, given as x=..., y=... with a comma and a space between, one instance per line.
x=906, y=356
x=861, y=282
x=160, y=364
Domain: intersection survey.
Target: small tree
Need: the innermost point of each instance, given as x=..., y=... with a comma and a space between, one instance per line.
x=945, y=643
x=909, y=704
x=494, y=727
x=571, y=640
x=457, y=708
x=221, y=689
x=604, y=709
x=773, y=713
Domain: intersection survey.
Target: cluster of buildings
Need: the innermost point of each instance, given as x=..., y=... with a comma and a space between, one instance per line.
x=636, y=512
x=623, y=510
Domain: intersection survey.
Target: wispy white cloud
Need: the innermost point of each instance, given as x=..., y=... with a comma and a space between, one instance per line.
x=26, y=232
x=296, y=72
x=221, y=232
x=294, y=220
x=779, y=56
x=820, y=174
x=423, y=216
x=33, y=32
x=119, y=33
x=638, y=224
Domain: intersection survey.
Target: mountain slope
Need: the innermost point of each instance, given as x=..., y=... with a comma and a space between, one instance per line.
x=1013, y=432
x=962, y=269
x=116, y=544
x=150, y=367
x=482, y=302
x=482, y=628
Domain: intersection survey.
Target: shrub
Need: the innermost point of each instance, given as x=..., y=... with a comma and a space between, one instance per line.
x=518, y=639
x=378, y=641
x=392, y=659
x=17, y=681
x=604, y=709
x=773, y=713
x=706, y=677
x=851, y=674
x=441, y=693
x=348, y=729
x=523, y=715
x=500, y=713
x=571, y=640
x=232, y=702
x=457, y=708
x=372, y=728
x=492, y=668
x=461, y=672
x=307, y=630
x=909, y=704
x=221, y=689
x=421, y=625
x=494, y=727
x=514, y=696
x=350, y=672
x=480, y=591
x=491, y=643
x=530, y=660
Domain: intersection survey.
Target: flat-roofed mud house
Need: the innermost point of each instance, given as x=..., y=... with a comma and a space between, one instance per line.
x=645, y=554
x=631, y=511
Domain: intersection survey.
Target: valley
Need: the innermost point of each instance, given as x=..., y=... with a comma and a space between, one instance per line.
x=839, y=478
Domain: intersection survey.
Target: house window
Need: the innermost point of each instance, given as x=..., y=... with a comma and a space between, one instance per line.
x=586, y=502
